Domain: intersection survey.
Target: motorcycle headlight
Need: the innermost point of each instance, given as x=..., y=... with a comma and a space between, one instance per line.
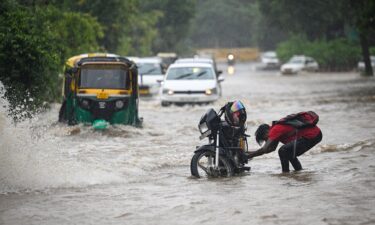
x=203, y=128
x=119, y=104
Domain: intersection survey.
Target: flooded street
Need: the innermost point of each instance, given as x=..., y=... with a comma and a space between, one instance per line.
x=54, y=174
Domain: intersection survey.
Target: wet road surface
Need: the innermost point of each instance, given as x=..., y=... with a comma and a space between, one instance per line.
x=54, y=174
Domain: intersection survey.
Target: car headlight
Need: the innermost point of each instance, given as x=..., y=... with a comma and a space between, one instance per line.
x=203, y=128
x=119, y=104
x=210, y=91
x=168, y=91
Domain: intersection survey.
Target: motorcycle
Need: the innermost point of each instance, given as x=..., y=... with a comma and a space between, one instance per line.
x=231, y=62
x=225, y=154
x=231, y=59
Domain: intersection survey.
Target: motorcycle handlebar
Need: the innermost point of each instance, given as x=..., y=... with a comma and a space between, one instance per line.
x=221, y=111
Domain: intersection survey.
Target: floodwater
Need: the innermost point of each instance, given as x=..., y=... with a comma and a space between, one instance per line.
x=54, y=174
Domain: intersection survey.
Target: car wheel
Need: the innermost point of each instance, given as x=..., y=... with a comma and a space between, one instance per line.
x=180, y=104
x=165, y=104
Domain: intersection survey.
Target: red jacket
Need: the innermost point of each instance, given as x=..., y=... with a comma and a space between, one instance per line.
x=286, y=133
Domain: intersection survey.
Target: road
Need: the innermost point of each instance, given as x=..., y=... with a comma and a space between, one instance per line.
x=54, y=174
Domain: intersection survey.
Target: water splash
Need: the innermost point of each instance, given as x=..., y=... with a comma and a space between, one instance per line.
x=357, y=146
x=32, y=159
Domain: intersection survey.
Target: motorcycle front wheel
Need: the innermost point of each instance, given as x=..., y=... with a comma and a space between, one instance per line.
x=203, y=164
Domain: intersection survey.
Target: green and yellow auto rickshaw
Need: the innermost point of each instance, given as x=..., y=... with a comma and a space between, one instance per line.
x=100, y=89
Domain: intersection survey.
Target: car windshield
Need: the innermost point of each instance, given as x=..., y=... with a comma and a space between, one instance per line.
x=269, y=55
x=194, y=60
x=296, y=61
x=149, y=68
x=190, y=73
x=103, y=77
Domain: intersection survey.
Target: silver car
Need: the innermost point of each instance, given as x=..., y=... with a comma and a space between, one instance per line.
x=150, y=70
x=298, y=63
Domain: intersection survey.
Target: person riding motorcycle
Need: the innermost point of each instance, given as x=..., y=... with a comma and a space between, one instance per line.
x=231, y=59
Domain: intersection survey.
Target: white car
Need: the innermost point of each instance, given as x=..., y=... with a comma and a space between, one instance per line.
x=150, y=70
x=299, y=63
x=361, y=64
x=194, y=60
x=270, y=60
x=190, y=83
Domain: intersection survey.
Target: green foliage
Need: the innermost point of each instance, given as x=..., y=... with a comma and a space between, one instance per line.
x=325, y=24
x=337, y=54
x=316, y=19
x=114, y=17
x=224, y=23
x=296, y=45
x=37, y=36
x=142, y=26
x=28, y=55
x=173, y=24
x=135, y=27
x=77, y=34
x=34, y=42
x=265, y=35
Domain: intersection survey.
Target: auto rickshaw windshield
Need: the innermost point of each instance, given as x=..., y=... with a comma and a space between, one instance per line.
x=103, y=77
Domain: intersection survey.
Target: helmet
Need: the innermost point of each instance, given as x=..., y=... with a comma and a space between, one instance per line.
x=235, y=113
x=260, y=133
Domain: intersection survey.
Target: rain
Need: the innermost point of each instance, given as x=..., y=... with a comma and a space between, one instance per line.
x=75, y=149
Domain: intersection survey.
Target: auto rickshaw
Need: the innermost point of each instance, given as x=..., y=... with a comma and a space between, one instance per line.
x=100, y=89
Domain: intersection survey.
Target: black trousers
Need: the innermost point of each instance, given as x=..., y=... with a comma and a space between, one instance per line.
x=289, y=152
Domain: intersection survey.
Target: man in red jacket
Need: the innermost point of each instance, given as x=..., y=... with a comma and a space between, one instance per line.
x=296, y=142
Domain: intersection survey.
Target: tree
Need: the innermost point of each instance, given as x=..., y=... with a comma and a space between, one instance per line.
x=224, y=23
x=114, y=17
x=35, y=40
x=265, y=34
x=174, y=23
x=324, y=20
x=316, y=19
x=364, y=20
x=140, y=35
x=28, y=57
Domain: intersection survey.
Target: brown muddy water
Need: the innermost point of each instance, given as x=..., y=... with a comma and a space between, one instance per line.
x=54, y=174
